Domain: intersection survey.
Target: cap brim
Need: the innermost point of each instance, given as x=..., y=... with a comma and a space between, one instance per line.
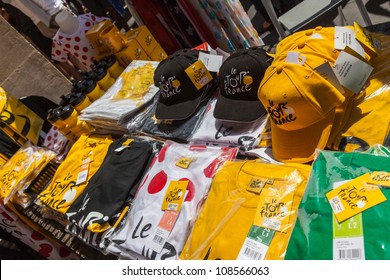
x=179, y=111
x=238, y=110
x=300, y=145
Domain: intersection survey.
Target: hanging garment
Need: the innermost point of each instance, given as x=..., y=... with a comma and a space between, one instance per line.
x=76, y=44
x=145, y=214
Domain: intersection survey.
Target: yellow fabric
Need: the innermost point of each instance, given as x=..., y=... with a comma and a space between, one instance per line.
x=369, y=119
x=291, y=42
x=63, y=191
x=3, y=160
x=229, y=210
x=21, y=169
x=294, y=98
x=20, y=119
x=3, y=99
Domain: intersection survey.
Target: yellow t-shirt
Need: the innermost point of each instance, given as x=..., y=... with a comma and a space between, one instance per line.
x=63, y=191
x=229, y=211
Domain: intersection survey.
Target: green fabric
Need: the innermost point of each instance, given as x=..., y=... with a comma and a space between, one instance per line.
x=312, y=235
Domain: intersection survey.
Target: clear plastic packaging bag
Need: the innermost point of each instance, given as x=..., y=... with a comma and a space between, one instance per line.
x=17, y=174
x=249, y=213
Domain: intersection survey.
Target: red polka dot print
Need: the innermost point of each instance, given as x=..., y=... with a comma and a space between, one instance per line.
x=87, y=24
x=76, y=55
x=60, y=37
x=153, y=162
x=58, y=52
x=77, y=39
x=8, y=217
x=64, y=252
x=56, y=134
x=157, y=183
x=49, y=138
x=37, y=236
x=67, y=46
x=161, y=155
x=45, y=250
x=84, y=57
x=190, y=189
x=85, y=49
x=76, y=48
x=209, y=170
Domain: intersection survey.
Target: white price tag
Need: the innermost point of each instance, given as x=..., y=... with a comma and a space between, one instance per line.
x=296, y=58
x=344, y=37
x=83, y=174
x=272, y=224
x=326, y=71
x=336, y=205
x=348, y=240
x=252, y=250
x=351, y=71
x=211, y=61
x=159, y=238
x=348, y=248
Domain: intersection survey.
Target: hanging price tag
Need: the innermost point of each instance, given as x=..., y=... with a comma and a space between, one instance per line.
x=348, y=239
x=370, y=44
x=199, y=74
x=256, y=244
x=162, y=231
x=174, y=195
x=83, y=173
x=354, y=197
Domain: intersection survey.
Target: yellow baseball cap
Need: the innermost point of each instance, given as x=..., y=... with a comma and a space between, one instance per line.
x=323, y=36
x=302, y=106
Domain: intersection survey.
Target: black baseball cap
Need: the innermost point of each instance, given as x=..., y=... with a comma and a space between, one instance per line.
x=238, y=81
x=178, y=96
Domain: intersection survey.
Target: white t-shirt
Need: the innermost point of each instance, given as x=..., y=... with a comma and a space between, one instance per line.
x=214, y=131
x=76, y=44
x=145, y=214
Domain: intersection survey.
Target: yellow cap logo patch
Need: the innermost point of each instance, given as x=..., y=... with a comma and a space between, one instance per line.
x=176, y=83
x=248, y=80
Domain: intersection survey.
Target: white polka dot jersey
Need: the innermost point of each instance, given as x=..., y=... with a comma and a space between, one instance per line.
x=76, y=44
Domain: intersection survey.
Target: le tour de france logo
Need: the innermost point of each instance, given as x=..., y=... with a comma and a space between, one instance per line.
x=237, y=82
x=280, y=113
x=169, y=87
